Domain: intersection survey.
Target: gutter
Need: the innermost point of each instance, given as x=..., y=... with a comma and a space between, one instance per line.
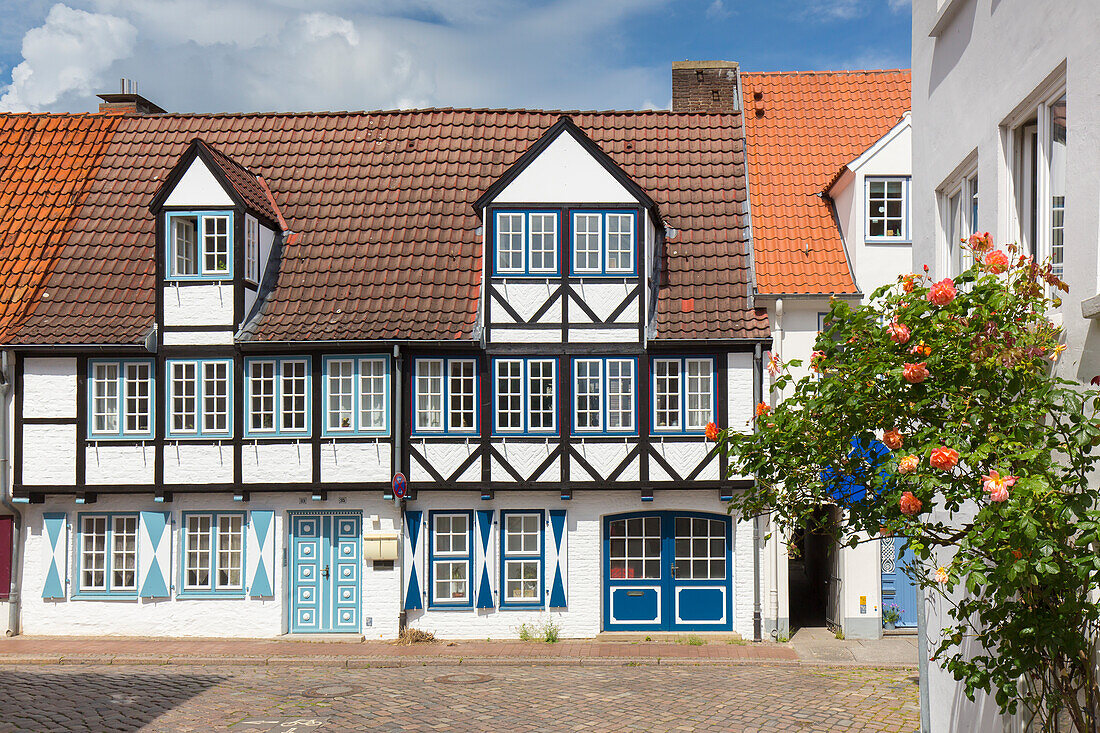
x=6, y=500
x=757, y=534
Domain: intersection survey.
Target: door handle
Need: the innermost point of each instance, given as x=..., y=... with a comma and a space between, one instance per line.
x=673, y=568
x=324, y=571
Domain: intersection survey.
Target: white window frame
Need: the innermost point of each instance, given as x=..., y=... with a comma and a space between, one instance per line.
x=106, y=399
x=430, y=397
x=542, y=216
x=128, y=392
x=629, y=233
x=612, y=394
x=517, y=238
x=111, y=554
x=588, y=252
x=251, y=248
x=674, y=404
x=529, y=396
x=524, y=378
x=179, y=228
x=361, y=375
x=452, y=557
x=905, y=236
x=452, y=408
x=508, y=381
x=577, y=394
x=521, y=557
x=213, y=242
x=280, y=380
x=217, y=560
x=956, y=203
x=710, y=376
x=199, y=412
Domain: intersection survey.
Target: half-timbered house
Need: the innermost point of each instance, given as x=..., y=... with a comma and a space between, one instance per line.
x=241, y=327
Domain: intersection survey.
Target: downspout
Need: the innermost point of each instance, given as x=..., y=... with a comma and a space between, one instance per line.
x=777, y=346
x=397, y=415
x=758, y=397
x=6, y=502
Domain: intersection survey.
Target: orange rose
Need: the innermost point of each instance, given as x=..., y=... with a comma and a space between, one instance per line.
x=915, y=373
x=942, y=292
x=908, y=464
x=899, y=332
x=921, y=349
x=908, y=283
x=944, y=458
x=892, y=439
x=910, y=504
x=980, y=243
x=712, y=431
x=996, y=262
x=817, y=360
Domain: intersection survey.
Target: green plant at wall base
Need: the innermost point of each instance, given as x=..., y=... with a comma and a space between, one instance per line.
x=983, y=465
x=891, y=614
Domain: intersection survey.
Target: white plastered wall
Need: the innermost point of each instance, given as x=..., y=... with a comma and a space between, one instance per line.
x=198, y=187
x=187, y=304
x=49, y=450
x=205, y=617
x=564, y=171
x=584, y=524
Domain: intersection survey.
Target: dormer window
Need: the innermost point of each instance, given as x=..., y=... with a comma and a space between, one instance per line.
x=526, y=243
x=603, y=243
x=200, y=246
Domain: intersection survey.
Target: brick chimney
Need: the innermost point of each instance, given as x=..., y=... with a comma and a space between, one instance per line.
x=127, y=101
x=705, y=86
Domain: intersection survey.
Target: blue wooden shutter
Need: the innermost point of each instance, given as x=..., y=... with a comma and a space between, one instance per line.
x=414, y=550
x=556, y=560
x=483, y=559
x=154, y=554
x=57, y=547
x=260, y=552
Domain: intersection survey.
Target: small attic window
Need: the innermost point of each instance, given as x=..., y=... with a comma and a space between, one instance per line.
x=200, y=245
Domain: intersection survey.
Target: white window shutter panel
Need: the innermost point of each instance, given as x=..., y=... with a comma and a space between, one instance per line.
x=557, y=559
x=260, y=552
x=483, y=559
x=154, y=554
x=57, y=555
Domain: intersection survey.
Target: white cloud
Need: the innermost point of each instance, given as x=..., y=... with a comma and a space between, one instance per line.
x=67, y=56
x=244, y=55
x=834, y=9
x=901, y=6
x=717, y=10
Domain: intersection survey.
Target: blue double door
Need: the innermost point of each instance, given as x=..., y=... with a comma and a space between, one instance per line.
x=897, y=584
x=667, y=571
x=325, y=573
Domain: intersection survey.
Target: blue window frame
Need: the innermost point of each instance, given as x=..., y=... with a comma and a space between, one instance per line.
x=605, y=242
x=684, y=394
x=107, y=556
x=450, y=559
x=120, y=399
x=445, y=396
x=526, y=243
x=525, y=396
x=605, y=396
x=212, y=554
x=200, y=398
x=522, y=559
x=277, y=392
x=199, y=246
x=357, y=395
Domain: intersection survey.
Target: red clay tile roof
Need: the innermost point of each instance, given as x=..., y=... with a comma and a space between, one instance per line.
x=387, y=244
x=46, y=165
x=813, y=123
x=243, y=182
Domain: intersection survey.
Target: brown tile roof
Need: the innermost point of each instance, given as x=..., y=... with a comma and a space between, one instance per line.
x=812, y=124
x=46, y=165
x=387, y=244
x=244, y=183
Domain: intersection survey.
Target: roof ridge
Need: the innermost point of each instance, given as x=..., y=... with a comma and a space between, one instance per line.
x=388, y=112
x=823, y=72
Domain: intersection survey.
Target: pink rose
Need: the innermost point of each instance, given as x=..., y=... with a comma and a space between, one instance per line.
x=940, y=576
x=910, y=504
x=944, y=458
x=899, y=332
x=943, y=292
x=817, y=361
x=997, y=485
x=774, y=365
x=915, y=373
x=996, y=262
x=980, y=243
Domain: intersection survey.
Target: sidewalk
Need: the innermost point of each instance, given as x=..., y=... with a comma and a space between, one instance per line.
x=107, y=650
x=819, y=644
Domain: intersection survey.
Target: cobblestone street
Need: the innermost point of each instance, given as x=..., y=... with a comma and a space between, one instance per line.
x=731, y=699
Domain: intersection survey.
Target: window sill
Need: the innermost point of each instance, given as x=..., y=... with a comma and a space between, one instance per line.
x=118, y=438
x=189, y=438
x=93, y=596
x=522, y=606
x=886, y=240
x=207, y=595
x=226, y=278
x=465, y=606
x=324, y=434
x=944, y=16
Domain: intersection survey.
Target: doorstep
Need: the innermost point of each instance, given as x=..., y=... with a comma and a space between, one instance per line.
x=324, y=638
x=669, y=636
x=911, y=631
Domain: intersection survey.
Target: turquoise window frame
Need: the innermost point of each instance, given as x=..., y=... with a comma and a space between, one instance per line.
x=278, y=431
x=604, y=270
x=198, y=433
x=683, y=429
x=200, y=245
x=505, y=556
x=109, y=594
x=357, y=391
x=526, y=270
x=122, y=433
x=212, y=591
x=604, y=409
x=446, y=428
x=467, y=557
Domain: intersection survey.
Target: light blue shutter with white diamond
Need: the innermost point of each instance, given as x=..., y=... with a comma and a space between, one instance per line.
x=57, y=555
x=483, y=558
x=154, y=553
x=556, y=558
x=260, y=553
x=413, y=563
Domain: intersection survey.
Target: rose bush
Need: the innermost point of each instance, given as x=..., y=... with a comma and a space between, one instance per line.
x=995, y=491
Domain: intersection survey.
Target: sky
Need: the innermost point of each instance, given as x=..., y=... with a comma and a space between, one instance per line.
x=294, y=55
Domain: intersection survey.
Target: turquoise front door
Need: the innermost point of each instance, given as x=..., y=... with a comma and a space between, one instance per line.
x=897, y=587
x=667, y=571
x=325, y=567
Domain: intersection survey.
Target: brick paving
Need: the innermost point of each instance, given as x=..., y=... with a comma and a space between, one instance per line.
x=736, y=698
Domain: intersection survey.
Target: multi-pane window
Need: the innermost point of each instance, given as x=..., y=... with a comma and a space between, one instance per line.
x=525, y=395
x=199, y=398
x=356, y=395
x=1039, y=173
x=683, y=394
x=1057, y=184
x=604, y=395
x=252, y=249
x=959, y=219
x=277, y=399
x=451, y=558
x=526, y=243
x=108, y=553
x=700, y=548
x=445, y=395
x=887, y=212
x=521, y=558
x=635, y=548
x=604, y=243
x=119, y=396
x=201, y=246
x=213, y=553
